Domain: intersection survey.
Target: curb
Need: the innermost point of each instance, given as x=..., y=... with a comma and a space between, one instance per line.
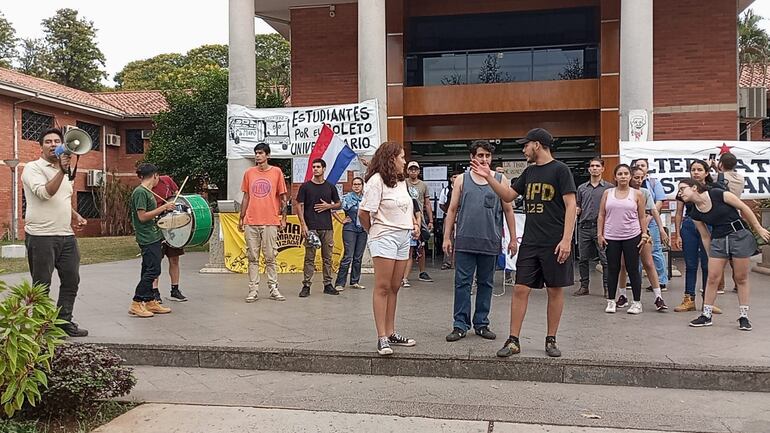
x=573, y=371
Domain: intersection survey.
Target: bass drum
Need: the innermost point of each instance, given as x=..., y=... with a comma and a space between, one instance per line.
x=199, y=230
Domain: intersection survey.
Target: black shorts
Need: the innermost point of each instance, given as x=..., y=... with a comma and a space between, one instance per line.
x=537, y=267
x=170, y=251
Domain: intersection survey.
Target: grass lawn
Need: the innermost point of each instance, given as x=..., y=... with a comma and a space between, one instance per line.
x=93, y=250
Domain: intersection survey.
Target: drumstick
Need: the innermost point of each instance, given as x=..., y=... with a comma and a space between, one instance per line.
x=181, y=188
x=156, y=195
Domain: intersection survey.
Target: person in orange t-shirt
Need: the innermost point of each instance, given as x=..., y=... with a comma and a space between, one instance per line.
x=263, y=212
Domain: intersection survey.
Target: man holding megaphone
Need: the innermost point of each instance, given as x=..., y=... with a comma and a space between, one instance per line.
x=49, y=220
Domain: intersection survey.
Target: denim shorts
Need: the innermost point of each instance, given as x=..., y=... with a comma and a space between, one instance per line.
x=740, y=245
x=393, y=245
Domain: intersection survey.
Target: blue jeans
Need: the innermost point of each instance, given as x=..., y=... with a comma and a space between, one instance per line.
x=355, y=243
x=657, y=254
x=466, y=264
x=693, y=250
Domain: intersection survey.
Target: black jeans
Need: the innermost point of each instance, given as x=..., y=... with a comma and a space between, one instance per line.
x=630, y=252
x=46, y=253
x=588, y=246
x=151, y=258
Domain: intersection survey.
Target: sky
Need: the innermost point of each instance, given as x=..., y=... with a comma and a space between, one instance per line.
x=151, y=27
x=145, y=29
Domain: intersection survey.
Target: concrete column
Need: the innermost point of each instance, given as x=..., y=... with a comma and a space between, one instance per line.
x=372, y=82
x=242, y=79
x=636, y=62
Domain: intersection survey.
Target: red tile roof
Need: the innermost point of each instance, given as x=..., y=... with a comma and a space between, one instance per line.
x=129, y=104
x=136, y=103
x=754, y=75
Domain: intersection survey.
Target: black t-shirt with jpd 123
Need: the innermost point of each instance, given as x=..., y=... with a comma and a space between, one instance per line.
x=311, y=194
x=543, y=188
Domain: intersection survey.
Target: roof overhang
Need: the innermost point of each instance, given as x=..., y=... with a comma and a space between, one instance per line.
x=54, y=101
x=277, y=13
x=743, y=5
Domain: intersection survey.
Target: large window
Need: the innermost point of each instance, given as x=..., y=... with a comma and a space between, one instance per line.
x=34, y=124
x=93, y=131
x=134, y=142
x=89, y=204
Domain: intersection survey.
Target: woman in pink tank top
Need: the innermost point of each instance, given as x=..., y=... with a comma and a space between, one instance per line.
x=622, y=230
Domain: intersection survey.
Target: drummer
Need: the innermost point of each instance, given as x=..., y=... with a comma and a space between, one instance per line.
x=166, y=190
x=144, y=209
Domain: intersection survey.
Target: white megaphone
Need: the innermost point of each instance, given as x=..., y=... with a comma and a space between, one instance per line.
x=76, y=142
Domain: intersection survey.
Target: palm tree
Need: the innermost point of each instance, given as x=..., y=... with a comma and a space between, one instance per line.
x=753, y=42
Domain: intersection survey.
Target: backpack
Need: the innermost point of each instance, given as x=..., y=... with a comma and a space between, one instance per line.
x=722, y=182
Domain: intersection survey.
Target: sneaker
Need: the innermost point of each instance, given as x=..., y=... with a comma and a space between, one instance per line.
x=485, y=333
x=275, y=295
x=611, y=306
x=156, y=296
x=139, y=309
x=455, y=335
x=73, y=330
x=425, y=277
x=305, y=292
x=660, y=305
x=622, y=302
x=744, y=324
x=648, y=288
x=688, y=304
x=445, y=266
x=329, y=290
x=253, y=296
x=663, y=288
x=701, y=321
x=176, y=295
x=155, y=307
x=636, y=308
x=550, y=347
x=581, y=291
x=397, y=339
x=383, y=346
x=339, y=288
x=357, y=286
x=405, y=283
x=721, y=291
x=735, y=290
x=511, y=347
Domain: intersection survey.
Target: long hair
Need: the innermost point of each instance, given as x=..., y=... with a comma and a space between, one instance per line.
x=708, y=180
x=384, y=163
x=700, y=187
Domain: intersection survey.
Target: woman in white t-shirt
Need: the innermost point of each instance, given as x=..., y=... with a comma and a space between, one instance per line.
x=386, y=213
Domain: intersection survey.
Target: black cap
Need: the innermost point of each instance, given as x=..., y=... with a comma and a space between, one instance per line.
x=538, y=134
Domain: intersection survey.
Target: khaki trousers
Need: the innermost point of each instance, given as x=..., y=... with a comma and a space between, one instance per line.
x=327, y=246
x=262, y=239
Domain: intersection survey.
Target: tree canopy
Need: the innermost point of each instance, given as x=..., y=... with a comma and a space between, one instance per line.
x=7, y=42
x=753, y=41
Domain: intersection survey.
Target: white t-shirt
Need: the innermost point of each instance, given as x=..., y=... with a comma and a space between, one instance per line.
x=46, y=215
x=390, y=208
x=442, y=199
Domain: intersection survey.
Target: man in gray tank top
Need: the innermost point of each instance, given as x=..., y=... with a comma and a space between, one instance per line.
x=478, y=213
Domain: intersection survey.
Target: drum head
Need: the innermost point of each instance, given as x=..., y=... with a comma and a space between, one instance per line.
x=174, y=220
x=198, y=231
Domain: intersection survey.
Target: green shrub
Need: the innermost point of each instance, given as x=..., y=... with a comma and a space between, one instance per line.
x=82, y=375
x=11, y=426
x=28, y=338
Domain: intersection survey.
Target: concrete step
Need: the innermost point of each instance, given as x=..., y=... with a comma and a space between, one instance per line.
x=517, y=368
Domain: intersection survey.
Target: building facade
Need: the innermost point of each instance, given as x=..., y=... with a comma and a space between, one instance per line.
x=450, y=71
x=119, y=124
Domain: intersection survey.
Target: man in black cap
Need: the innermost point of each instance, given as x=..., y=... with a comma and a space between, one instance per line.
x=545, y=257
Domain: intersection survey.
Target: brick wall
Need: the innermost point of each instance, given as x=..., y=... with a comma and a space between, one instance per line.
x=694, y=64
x=324, y=56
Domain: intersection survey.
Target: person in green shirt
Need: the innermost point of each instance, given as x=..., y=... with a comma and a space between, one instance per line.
x=149, y=237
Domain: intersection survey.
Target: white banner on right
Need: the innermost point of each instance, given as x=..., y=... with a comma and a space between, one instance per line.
x=669, y=161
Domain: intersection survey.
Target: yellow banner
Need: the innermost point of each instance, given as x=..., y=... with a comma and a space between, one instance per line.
x=291, y=247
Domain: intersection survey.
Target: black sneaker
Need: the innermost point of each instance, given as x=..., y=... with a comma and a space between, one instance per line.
x=330, y=290
x=744, y=324
x=485, y=333
x=156, y=296
x=425, y=277
x=305, y=292
x=663, y=288
x=383, y=347
x=176, y=295
x=455, y=335
x=550, y=347
x=660, y=305
x=73, y=330
x=511, y=347
x=648, y=288
x=622, y=302
x=701, y=321
x=397, y=339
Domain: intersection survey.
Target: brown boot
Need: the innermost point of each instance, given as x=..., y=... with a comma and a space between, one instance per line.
x=581, y=291
x=138, y=309
x=156, y=308
x=688, y=304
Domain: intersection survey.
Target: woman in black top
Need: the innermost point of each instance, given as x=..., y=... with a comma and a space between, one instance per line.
x=730, y=238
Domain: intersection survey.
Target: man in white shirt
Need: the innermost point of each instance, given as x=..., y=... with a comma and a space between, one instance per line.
x=49, y=219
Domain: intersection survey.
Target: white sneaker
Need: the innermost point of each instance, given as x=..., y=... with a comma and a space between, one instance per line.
x=357, y=286
x=635, y=308
x=610, y=306
x=339, y=288
x=252, y=296
x=405, y=283
x=275, y=295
